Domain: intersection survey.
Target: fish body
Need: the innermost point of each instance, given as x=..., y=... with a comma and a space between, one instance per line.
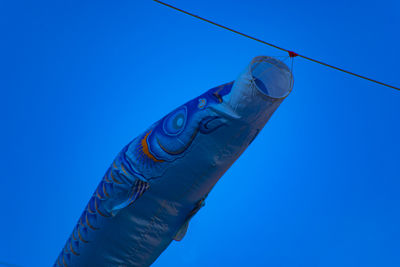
x=160, y=180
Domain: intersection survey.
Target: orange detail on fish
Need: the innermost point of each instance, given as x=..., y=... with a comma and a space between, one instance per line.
x=72, y=249
x=97, y=209
x=97, y=194
x=88, y=223
x=81, y=238
x=123, y=169
x=73, y=236
x=112, y=176
x=145, y=148
x=90, y=210
x=64, y=261
x=105, y=191
x=81, y=222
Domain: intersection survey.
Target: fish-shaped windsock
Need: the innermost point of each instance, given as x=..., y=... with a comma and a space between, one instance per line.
x=159, y=181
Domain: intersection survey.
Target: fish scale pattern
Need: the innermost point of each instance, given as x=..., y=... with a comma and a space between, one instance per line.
x=119, y=180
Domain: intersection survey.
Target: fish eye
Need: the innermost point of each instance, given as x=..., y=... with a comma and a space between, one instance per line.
x=175, y=122
x=178, y=121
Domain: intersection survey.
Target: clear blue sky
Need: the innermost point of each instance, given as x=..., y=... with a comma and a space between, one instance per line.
x=318, y=187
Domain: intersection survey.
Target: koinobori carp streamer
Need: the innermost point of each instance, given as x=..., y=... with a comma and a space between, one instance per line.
x=158, y=182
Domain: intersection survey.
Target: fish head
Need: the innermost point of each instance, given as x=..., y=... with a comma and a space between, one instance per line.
x=225, y=116
x=258, y=90
x=170, y=137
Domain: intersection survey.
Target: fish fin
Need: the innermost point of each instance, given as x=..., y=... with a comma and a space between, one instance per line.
x=136, y=191
x=225, y=111
x=183, y=229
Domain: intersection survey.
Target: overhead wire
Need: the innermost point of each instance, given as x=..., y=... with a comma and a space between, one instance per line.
x=291, y=53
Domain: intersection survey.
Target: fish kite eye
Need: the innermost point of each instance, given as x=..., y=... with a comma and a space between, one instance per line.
x=175, y=122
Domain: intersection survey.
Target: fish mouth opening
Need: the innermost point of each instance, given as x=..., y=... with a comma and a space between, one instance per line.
x=271, y=77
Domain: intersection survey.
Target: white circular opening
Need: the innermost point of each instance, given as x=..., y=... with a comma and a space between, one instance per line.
x=271, y=77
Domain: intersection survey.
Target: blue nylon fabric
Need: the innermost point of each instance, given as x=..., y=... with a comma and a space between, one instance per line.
x=160, y=180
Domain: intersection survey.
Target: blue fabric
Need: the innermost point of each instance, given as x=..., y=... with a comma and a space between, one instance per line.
x=161, y=179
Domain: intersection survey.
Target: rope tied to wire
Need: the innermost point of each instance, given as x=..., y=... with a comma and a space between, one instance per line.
x=292, y=54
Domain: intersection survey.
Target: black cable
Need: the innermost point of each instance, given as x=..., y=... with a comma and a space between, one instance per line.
x=277, y=47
